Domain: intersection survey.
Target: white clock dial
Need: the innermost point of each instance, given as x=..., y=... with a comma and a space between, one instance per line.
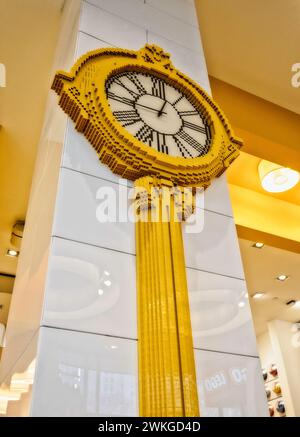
x=158, y=114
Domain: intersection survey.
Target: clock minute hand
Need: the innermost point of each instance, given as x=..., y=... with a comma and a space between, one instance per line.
x=148, y=107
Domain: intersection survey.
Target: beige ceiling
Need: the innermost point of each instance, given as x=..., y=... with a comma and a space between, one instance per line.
x=261, y=268
x=252, y=44
x=28, y=33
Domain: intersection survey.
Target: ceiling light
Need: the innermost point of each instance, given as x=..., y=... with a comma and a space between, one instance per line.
x=276, y=179
x=282, y=278
x=100, y=291
x=107, y=283
x=258, y=295
x=241, y=304
x=106, y=273
x=258, y=245
x=12, y=252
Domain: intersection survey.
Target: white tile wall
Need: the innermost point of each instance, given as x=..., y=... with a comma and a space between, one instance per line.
x=230, y=385
x=111, y=28
x=182, y=9
x=216, y=248
x=90, y=289
x=216, y=197
x=220, y=313
x=80, y=374
x=77, y=207
x=144, y=15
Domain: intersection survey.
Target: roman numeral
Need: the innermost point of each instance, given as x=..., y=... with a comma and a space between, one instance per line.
x=120, y=99
x=158, y=88
x=135, y=80
x=177, y=100
x=161, y=142
x=126, y=118
x=133, y=93
x=190, y=141
x=187, y=113
x=195, y=127
x=182, y=149
x=145, y=134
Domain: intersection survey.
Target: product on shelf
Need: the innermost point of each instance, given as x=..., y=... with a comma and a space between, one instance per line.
x=280, y=407
x=277, y=388
x=271, y=410
x=268, y=393
x=273, y=370
x=265, y=374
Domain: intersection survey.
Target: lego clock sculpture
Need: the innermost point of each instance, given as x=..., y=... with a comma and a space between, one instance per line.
x=150, y=123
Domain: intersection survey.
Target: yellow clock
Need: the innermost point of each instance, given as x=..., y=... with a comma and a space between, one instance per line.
x=143, y=116
x=152, y=124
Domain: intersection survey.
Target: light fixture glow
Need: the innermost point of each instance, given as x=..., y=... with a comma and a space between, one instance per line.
x=107, y=283
x=241, y=304
x=258, y=295
x=276, y=179
x=282, y=278
x=106, y=273
x=100, y=292
x=12, y=252
x=297, y=304
x=258, y=245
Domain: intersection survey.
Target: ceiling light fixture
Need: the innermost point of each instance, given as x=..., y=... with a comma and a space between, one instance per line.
x=12, y=252
x=276, y=179
x=282, y=278
x=241, y=304
x=258, y=295
x=258, y=245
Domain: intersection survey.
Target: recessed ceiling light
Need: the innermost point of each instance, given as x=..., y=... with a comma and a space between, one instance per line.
x=258, y=295
x=282, y=278
x=100, y=291
x=241, y=304
x=12, y=252
x=107, y=283
x=258, y=245
x=276, y=179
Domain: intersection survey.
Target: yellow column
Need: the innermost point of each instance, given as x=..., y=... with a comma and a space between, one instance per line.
x=167, y=379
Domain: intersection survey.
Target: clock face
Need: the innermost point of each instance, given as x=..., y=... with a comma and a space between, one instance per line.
x=158, y=114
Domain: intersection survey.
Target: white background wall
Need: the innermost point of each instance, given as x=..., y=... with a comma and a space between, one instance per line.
x=87, y=354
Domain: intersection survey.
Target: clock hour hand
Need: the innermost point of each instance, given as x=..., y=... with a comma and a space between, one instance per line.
x=161, y=109
x=148, y=107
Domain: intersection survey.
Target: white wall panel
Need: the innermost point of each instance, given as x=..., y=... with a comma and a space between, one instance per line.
x=215, y=248
x=182, y=9
x=111, y=28
x=220, y=313
x=230, y=385
x=80, y=375
x=76, y=212
x=90, y=289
